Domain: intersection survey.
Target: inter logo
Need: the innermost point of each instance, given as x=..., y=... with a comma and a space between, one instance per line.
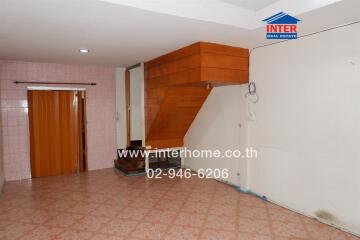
x=281, y=26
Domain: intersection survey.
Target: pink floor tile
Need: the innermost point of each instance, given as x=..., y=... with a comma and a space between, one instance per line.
x=106, y=211
x=323, y=232
x=253, y=236
x=15, y=230
x=254, y=226
x=253, y=212
x=182, y=233
x=100, y=236
x=221, y=223
x=158, y=216
x=133, y=213
x=119, y=227
x=289, y=229
x=223, y=209
x=42, y=232
x=105, y=205
x=74, y=235
x=284, y=215
x=190, y=219
x=38, y=216
x=152, y=231
x=217, y=235
x=64, y=220
x=90, y=223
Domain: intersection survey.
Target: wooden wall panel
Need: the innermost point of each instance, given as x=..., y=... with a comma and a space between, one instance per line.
x=220, y=49
x=165, y=143
x=180, y=65
x=218, y=76
x=193, y=49
x=176, y=87
x=177, y=78
x=224, y=62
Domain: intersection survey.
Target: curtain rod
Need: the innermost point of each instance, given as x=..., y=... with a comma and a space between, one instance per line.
x=65, y=83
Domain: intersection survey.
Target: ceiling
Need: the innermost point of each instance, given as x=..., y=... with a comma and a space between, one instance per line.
x=250, y=4
x=124, y=34
x=221, y=12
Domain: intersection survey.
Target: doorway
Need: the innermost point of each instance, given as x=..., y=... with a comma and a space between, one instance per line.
x=57, y=123
x=134, y=92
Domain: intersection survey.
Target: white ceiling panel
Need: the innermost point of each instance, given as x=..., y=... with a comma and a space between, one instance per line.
x=254, y=5
x=122, y=35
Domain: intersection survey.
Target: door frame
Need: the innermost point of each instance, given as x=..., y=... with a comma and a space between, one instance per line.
x=127, y=107
x=84, y=115
x=84, y=124
x=127, y=78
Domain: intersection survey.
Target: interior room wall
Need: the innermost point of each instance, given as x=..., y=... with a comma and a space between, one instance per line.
x=137, y=103
x=220, y=125
x=100, y=109
x=307, y=125
x=2, y=177
x=121, y=140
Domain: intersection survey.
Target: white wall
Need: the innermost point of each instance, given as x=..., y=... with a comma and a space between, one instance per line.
x=306, y=129
x=137, y=103
x=307, y=125
x=216, y=126
x=2, y=177
x=120, y=109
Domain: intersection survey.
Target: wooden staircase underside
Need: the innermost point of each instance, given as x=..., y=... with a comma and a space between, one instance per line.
x=177, y=84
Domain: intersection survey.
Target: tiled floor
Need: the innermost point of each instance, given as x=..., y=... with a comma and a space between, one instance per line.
x=106, y=205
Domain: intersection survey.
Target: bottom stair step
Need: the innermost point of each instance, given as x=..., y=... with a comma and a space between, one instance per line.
x=127, y=167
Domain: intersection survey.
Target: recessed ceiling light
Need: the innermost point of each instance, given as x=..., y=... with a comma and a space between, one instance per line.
x=84, y=50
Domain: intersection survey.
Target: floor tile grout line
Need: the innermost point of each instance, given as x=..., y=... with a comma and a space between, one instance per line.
x=237, y=226
x=26, y=232
x=28, y=192
x=203, y=227
x=306, y=229
x=176, y=214
x=269, y=220
x=139, y=221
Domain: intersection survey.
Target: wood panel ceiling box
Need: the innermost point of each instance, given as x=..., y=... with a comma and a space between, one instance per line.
x=176, y=87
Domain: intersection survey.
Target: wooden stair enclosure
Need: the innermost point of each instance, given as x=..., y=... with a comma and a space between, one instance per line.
x=131, y=163
x=177, y=84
